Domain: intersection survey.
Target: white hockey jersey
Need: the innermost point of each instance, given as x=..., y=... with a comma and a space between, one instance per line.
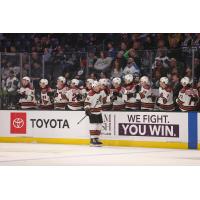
x=11, y=84
x=165, y=99
x=118, y=98
x=94, y=101
x=45, y=99
x=27, y=99
x=60, y=100
x=107, y=96
x=188, y=99
x=131, y=102
x=145, y=97
x=75, y=99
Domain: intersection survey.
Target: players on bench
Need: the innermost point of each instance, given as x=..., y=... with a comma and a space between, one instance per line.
x=132, y=95
x=26, y=94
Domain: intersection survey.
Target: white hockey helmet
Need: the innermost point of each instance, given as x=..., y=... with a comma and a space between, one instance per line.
x=103, y=81
x=90, y=81
x=75, y=82
x=61, y=79
x=44, y=82
x=95, y=84
x=185, y=81
x=116, y=81
x=164, y=80
x=128, y=78
x=144, y=79
x=26, y=78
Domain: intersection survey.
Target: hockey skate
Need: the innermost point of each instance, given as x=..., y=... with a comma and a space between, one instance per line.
x=94, y=142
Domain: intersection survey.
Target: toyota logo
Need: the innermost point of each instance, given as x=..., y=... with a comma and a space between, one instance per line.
x=18, y=122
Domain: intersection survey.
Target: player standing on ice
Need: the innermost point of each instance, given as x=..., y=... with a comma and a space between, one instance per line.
x=145, y=94
x=46, y=95
x=93, y=108
x=26, y=94
x=188, y=97
x=60, y=100
x=165, y=100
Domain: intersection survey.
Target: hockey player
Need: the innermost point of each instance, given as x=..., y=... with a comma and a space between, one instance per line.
x=93, y=107
x=106, y=93
x=26, y=94
x=74, y=96
x=165, y=100
x=145, y=94
x=46, y=95
x=131, y=90
x=188, y=97
x=88, y=86
x=10, y=90
x=89, y=83
x=60, y=100
x=117, y=95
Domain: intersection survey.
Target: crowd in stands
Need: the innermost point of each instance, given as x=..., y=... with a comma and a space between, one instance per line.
x=96, y=56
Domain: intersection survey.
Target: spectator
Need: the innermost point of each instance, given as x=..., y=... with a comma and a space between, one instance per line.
x=176, y=68
x=121, y=59
x=123, y=46
x=131, y=67
x=197, y=69
x=103, y=63
x=188, y=73
x=131, y=53
x=174, y=39
x=91, y=60
x=196, y=40
x=111, y=50
x=116, y=70
x=93, y=76
x=187, y=41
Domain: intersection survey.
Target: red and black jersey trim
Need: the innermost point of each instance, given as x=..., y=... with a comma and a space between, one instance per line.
x=29, y=104
x=147, y=105
x=75, y=104
x=95, y=132
x=118, y=107
x=167, y=107
x=60, y=105
x=46, y=107
x=132, y=105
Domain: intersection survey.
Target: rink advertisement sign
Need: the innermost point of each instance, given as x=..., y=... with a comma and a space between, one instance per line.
x=139, y=126
x=17, y=123
x=158, y=126
x=148, y=125
x=151, y=130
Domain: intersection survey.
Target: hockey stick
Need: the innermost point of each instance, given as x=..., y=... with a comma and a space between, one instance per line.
x=86, y=115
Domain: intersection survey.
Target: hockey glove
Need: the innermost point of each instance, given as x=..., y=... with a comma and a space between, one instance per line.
x=88, y=112
x=78, y=97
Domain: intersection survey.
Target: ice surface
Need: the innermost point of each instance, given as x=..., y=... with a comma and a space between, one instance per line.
x=57, y=154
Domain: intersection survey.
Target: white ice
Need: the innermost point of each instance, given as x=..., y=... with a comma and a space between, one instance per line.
x=58, y=154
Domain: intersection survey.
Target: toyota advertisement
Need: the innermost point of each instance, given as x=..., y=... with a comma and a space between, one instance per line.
x=140, y=126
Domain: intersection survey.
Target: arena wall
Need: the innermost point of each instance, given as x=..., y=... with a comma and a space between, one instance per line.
x=143, y=129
